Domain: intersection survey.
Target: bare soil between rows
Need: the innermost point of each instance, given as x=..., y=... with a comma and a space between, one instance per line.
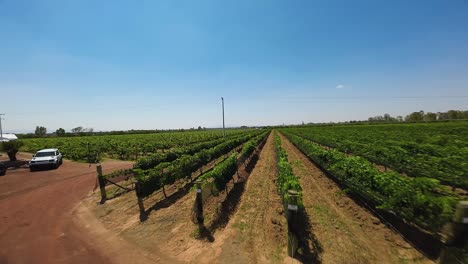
x=243, y=225
x=346, y=232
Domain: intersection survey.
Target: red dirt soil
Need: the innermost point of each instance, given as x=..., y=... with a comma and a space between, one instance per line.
x=36, y=210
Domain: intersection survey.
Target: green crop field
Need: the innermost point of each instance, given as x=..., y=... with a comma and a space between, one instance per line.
x=424, y=159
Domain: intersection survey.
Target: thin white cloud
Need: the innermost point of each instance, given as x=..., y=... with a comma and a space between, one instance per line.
x=343, y=86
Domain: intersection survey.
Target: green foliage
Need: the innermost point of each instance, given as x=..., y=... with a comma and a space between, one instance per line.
x=434, y=150
x=11, y=148
x=222, y=173
x=286, y=179
x=153, y=179
x=251, y=146
x=128, y=147
x=40, y=131
x=60, y=132
x=422, y=201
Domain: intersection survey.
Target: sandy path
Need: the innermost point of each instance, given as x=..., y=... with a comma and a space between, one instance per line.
x=346, y=232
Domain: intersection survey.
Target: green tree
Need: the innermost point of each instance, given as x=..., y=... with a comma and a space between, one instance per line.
x=430, y=116
x=60, y=132
x=77, y=130
x=454, y=114
x=415, y=117
x=11, y=148
x=40, y=131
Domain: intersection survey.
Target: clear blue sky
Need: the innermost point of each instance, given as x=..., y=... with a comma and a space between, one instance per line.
x=165, y=64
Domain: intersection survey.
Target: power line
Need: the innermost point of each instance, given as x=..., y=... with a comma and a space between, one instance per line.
x=224, y=132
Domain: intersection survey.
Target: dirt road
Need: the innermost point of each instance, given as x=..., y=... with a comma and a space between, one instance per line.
x=37, y=224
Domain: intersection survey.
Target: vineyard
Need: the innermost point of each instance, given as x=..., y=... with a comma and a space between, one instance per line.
x=436, y=150
x=129, y=147
x=303, y=185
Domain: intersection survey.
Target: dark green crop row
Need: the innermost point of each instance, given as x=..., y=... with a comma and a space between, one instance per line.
x=286, y=179
x=168, y=172
x=160, y=161
x=421, y=201
x=168, y=156
x=433, y=150
x=251, y=146
x=223, y=172
x=124, y=147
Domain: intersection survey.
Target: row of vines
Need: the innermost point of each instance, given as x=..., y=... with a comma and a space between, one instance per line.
x=164, y=173
x=222, y=173
x=432, y=150
x=286, y=179
x=422, y=201
x=125, y=147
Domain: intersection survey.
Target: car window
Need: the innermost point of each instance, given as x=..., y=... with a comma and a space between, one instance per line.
x=45, y=154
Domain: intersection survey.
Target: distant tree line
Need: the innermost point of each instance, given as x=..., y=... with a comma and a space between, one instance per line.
x=41, y=131
x=422, y=116
x=81, y=131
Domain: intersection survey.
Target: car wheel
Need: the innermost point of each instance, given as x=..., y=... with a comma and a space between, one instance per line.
x=31, y=169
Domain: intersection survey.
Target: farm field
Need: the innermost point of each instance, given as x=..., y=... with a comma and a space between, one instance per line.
x=434, y=150
x=218, y=200
x=240, y=132
x=125, y=147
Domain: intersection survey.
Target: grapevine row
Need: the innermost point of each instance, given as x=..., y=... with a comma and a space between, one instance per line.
x=421, y=201
x=417, y=150
x=165, y=173
x=124, y=147
x=222, y=173
x=157, y=158
x=286, y=179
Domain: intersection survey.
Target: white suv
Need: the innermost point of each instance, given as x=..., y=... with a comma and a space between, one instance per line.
x=46, y=157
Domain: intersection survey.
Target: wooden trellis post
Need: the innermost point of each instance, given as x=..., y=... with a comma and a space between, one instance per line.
x=139, y=196
x=102, y=183
x=460, y=222
x=198, y=207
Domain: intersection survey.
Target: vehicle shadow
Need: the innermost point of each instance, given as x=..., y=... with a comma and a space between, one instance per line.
x=43, y=168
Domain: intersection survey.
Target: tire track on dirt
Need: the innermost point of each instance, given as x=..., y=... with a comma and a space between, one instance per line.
x=347, y=232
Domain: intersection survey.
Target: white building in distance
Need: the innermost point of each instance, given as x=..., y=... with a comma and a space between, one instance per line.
x=8, y=137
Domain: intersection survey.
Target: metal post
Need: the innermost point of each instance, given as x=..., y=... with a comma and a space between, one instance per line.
x=1, y=131
x=102, y=183
x=198, y=203
x=224, y=132
x=293, y=241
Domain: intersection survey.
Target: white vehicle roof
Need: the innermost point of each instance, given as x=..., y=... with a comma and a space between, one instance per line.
x=48, y=150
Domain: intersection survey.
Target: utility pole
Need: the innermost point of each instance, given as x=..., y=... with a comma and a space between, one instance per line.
x=224, y=132
x=1, y=131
